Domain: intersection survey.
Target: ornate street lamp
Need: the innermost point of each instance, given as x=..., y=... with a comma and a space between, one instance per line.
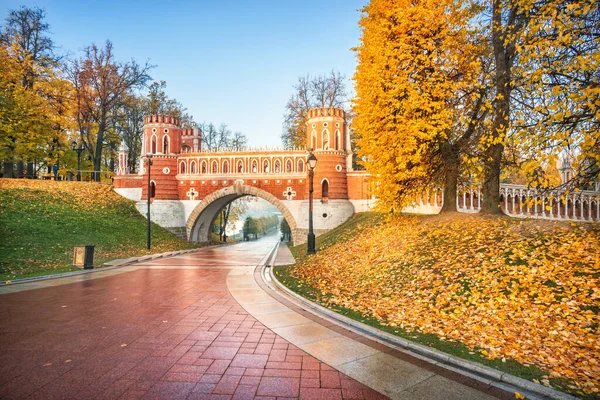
x=78, y=150
x=312, y=163
x=149, y=195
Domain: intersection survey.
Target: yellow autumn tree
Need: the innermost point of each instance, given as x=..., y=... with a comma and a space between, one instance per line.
x=35, y=100
x=421, y=95
x=546, y=57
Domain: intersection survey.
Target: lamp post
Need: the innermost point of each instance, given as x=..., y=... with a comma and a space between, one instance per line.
x=312, y=163
x=149, y=163
x=78, y=150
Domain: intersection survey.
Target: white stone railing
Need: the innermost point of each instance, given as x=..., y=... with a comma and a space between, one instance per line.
x=520, y=202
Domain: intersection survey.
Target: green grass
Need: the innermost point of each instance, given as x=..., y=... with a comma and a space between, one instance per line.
x=40, y=225
x=345, y=232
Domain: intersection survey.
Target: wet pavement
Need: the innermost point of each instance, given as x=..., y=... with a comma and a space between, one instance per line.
x=165, y=329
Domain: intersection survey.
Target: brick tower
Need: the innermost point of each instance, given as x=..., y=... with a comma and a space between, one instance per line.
x=162, y=139
x=326, y=136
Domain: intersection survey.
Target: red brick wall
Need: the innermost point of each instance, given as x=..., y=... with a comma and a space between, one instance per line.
x=327, y=161
x=359, y=186
x=269, y=185
x=166, y=183
x=128, y=181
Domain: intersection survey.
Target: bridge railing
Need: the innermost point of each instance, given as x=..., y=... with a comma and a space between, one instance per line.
x=520, y=202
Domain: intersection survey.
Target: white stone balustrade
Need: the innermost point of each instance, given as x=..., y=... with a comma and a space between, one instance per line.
x=520, y=202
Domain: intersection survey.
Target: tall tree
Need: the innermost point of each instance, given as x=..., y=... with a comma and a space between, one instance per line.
x=100, y=84
x=223, y=137
x=128, y=123
x=36, y=98
x=26, y=28
x=546, y=74
x=421, y=90
x=324, y=91
x=210, y=137
x=238, y=142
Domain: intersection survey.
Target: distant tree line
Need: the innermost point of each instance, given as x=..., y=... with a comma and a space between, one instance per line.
x=258, y=227
x=48, y=101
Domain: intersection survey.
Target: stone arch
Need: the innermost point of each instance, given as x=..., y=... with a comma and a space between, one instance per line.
x=199, y=221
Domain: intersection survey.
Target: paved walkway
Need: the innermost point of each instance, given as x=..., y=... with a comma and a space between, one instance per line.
x=170, y=329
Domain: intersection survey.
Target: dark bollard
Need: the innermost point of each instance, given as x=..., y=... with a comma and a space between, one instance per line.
x=83, y=257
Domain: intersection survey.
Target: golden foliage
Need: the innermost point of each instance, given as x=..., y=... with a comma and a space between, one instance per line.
x=523, y=290
x=418, y=87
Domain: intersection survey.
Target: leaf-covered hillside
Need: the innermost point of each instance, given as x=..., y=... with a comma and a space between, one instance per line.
x=518, y=290
x=41, y=222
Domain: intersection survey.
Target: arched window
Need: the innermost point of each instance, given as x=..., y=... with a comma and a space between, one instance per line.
x=325, y=139
x=193, y=167
x=324, y=189
x=277, y=167
x=203, y=167
x=300, y=165
x=240, y=168
x=152, y=190
x=185, y=148
x=215, y=167
x=313, y=139
x=225, y=166
x=153, y=144
x=166, y=144
x=254, y=166
x=288, y=166
x=266, y=166
x=337, y=140
x=182, y=167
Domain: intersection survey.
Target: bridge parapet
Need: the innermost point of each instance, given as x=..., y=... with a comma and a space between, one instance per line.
x=162, y=119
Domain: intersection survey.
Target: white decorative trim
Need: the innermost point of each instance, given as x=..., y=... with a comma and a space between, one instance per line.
x=338, y=168
x=289, y=193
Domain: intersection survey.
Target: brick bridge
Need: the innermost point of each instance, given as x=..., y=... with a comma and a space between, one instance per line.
x=190, y=186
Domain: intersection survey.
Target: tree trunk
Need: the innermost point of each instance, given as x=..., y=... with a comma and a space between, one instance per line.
x=98, y=152
x=9, y=171
x=20, y=169
x=493, y=155
x=451, y=166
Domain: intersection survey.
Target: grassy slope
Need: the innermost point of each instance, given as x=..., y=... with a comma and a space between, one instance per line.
x=41, y=222
x=344, y=234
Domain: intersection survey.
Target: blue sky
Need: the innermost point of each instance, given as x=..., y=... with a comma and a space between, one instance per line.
x=226, y=61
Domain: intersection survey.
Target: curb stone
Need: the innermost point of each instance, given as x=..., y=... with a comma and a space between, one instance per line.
x=482, y=373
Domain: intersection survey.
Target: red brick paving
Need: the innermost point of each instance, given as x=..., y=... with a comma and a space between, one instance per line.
x=153, y=334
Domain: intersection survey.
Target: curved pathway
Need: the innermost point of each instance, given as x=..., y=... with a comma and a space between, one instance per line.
x=195, y=326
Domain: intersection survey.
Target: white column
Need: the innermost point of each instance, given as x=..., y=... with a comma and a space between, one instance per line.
x=543, y=207
x=512, y=211
x=520, y=201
